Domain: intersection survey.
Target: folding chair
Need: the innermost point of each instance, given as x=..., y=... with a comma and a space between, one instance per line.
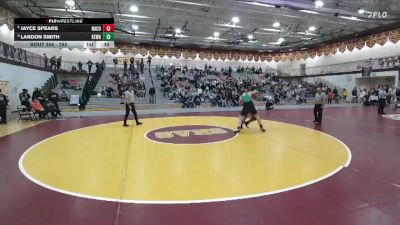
x=24, y=114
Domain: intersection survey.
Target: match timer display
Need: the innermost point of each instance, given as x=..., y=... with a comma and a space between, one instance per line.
x=64, y=32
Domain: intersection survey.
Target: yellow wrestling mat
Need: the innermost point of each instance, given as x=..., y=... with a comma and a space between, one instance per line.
x=183, y=160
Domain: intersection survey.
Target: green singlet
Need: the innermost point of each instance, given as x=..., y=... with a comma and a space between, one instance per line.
x=246, y=97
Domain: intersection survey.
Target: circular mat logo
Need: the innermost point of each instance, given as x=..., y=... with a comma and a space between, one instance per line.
x=190, y=134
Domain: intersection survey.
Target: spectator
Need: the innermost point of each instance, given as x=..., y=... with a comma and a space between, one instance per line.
x=38, y=108
x=54, y=98
x=152, y=93
x=125, y=65
x=382, y=100
x=90, y=64
x=37, y=94
x=59, y=63
x=46, y=60
x=354, y=95
x=50, y=108
x=149, y=61
x=330, y=96
x=115, y=61
x=344, y=94
x=24, y=97
x=80, y=66
x=3, y=107
x=53, y=61
x=319, y=105
x=141, y=66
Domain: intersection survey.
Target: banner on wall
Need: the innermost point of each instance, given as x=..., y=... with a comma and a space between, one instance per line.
x=208, y=55
x=278, y=57
x=143, y=51
x=202, y=54
x=342, y=47
x=291, y=56
x=153, y=51
x=223, y=55
x=394, y=36
x=236, y=56
x=269, y=58
x=250, y=56
x=215, y=55
x=333, y=49
x=366, y=68
x=320, y=52
x=121, y=60
x=312, y=54
x=371, y=41
x=382, y=38
x=327, y=50
x=305, y=55
x=262, y=57
x=350, y=45
x=360, y=43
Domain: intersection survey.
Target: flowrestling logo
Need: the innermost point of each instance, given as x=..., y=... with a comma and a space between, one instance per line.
x=190, y=134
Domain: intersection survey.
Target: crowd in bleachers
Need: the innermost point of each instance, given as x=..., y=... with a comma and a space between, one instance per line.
x=119, y=83
x=192, y=87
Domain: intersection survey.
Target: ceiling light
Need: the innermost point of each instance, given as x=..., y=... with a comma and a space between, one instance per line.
x=134, y=8
x=178, y=31
x=272, y=30
x=235, y=19
x=350, y=18
x=264, y=45
x=216, y=34
x=250, y=36
x=312, y=28
x=361, y=11
x=319, y=3
x=135, y=27
x=280, y=40
x=260, y=4
x=308, y=11
x=70, y=4
x=276, y=24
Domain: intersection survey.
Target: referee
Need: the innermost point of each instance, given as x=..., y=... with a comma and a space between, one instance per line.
x=382, y=100
x=320, y=98
x=129, y=97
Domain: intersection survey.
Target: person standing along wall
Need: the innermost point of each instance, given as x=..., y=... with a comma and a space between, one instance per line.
x=152, y=93
x=90, y=64
x=320, y=99
x=382, y=100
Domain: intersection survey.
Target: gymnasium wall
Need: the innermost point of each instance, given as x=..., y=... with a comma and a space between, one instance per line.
x=21, y=77
x=377, y=51
x=349, y=81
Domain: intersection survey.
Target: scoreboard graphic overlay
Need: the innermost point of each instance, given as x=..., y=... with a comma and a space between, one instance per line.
x=64, y=32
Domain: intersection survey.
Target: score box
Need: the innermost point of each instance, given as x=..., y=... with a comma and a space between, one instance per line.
x=108, y=27
x=108, y=36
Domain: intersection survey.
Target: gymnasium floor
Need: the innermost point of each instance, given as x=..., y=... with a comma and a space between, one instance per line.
x=189, y=168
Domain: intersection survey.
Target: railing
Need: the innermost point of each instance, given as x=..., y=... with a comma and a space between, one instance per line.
x=89, y=87
x=356, y=66
x=11, y=53
x=191, y=63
